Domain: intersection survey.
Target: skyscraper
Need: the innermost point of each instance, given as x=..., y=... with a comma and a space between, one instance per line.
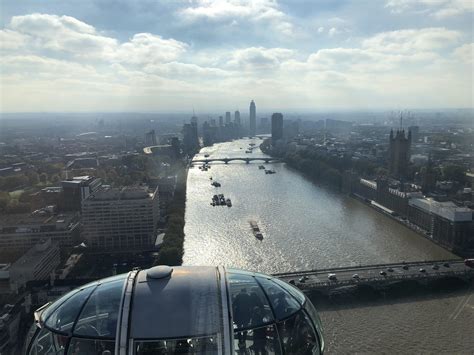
x=237, y=117
x=227, y=117
x=277, y=127
x=253, y=119
x=150, y=138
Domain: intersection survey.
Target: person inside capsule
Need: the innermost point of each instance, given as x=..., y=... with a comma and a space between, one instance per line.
x=179, y=310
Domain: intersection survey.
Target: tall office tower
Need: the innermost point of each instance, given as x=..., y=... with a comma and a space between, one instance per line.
x=253, y=119
x=399, y=153
x=221, y=121
x=150, y=138
x=277, y=127
x=120, y=218
x=227, y=117
x=237, y=117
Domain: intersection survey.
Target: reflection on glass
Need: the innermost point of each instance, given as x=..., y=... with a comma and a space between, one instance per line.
x=80, y=346
x=249, y=305
x=259, y=341
x=292, y=290
x=282, y=302
x=298, y=336
x=99, y=316
x=63, y=318
x=47, y=343
x=198, y=345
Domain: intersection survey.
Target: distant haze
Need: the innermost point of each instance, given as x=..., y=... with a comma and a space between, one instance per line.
x=212, y=56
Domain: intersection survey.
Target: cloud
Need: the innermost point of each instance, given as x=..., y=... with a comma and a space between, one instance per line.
x=51, y=62
x=405, y=41
x=148, y=48
x=259, y=58
x=67, y=35
x=62, y=33
x=226, y=11
x=465, y=53
x=439, y=9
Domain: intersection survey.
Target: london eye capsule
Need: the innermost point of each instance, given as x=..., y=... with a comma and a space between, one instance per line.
x=179, y=310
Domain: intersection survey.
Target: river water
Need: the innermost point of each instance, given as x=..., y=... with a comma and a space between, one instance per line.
x=304, y=225
x=308, y=226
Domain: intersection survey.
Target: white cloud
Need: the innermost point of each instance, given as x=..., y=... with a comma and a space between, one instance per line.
x=11, y=40
x=67, y=35
x=58, y=62
x=438, y=9
x=465, y=53
x=333, y=31
x=62, y=33
x=148, y=48
x=259, y=58
x=266, y=11
x=405, y=41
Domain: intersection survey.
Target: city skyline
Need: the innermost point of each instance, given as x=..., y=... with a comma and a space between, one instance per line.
x=158, y=56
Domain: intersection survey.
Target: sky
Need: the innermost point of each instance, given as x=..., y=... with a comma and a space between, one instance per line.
x=206, y=55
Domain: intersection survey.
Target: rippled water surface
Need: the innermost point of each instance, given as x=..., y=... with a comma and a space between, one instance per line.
x=304, y=225
x=308, y=226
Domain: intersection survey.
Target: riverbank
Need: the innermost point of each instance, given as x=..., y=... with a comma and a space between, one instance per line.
x=172, y=249
x=421, y=232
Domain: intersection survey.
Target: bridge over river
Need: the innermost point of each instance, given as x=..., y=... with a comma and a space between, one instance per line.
x=227, y=160
x=378, y=275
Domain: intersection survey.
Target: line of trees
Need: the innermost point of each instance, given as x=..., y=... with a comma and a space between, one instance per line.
x=325, y=168
x=172, y=249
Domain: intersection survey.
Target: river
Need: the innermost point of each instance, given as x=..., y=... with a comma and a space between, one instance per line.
x=308, y=226
x=304, y=225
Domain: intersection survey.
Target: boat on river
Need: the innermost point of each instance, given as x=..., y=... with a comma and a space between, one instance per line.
x=228, y=202
x=261, y=167
x=256, y=230
x=216, y=184
x=270, y=172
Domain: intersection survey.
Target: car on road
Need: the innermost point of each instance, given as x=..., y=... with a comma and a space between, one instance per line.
x=435, y=267
x=422, y=270
x=405, y=267
x=303, y=279
x=390, y=269
x=446, y=264
x=356, y=277
x=469, y=262
x=383, y=273
x=291, y=282
x=332, y=277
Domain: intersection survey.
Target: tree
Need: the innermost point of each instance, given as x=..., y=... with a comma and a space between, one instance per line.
x=43, y=178
x=17, y=207
x=171, y=256
x=4, y=200
x=33, y=178
x=455, y=173
x=55, y=178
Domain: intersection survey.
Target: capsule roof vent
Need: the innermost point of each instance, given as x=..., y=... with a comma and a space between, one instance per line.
x=159, y=272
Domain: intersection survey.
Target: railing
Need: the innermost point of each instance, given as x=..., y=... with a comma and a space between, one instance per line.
x=367, y=267
x=226, y=160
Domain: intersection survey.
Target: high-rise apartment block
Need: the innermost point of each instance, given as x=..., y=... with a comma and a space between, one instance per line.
x=120, y=218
